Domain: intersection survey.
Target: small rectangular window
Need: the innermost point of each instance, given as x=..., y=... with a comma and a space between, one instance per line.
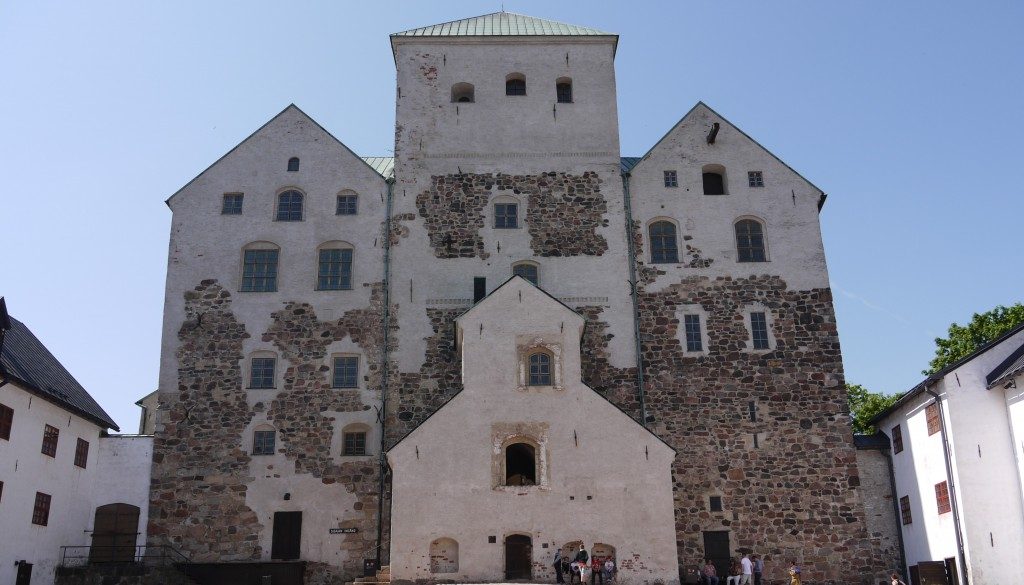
x=905, y=510
x=50, y=435
x=506, y=216
x=263, y=442
x=942, y=497
x=6, y=421
x=671, y=179
x=41, y=509
x=82, y=453
x=479, y=288
x=759, y=330
x=346, y=372
x=564, y=93
x=897, y=439
x=261, y=374
x=752, y=411
x=716, y=503
x=355, y=444
x=347, y=205
x=691, y=324
x=335, y=272
x=232, y=204
x=932, y=414
x=259, y=271
x=755, y=179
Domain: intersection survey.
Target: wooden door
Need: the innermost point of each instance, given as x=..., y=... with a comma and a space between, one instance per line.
x=952, y=575
x=287, y=538
x=24, y=574
x=518, y=557
x=115, y=529
x=716, y=548
x=932, y=573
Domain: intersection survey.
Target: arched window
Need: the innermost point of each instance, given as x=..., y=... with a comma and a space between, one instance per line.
x=259, y=267
x=347, y=203
x=515, y=84
x=563, y=89
x=444, y=556
x=540, y=369
x=334, y=266
x=714, y=179
x=664, y=249
x=353, y=440
x=289, y=205
x=750, y=241
x=527, y=270
x=520, y=464
x=293, y=163
x=463, y=93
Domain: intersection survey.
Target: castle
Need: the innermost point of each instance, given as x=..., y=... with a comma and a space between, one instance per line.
x=506, y=339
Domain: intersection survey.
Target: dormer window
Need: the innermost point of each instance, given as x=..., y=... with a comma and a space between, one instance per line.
x=515, y=84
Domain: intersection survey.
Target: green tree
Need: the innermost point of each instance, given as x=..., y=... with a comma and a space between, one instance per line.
x=983, y=328
x=865, y=404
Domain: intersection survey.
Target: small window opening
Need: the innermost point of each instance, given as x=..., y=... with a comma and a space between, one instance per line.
x=293, y=164
x=563, y=89
x=355, y=443
x=750, y=241
x=261, y=372
x=714, y=179
x=232, y=204
x=520, y=464
x=716, y=503
x=540, y=369
x=691, y=325
x=515, y=84
x=346, y=372
x=289, y=206
x=506, y=216
x=671, y=179
x=263, y=442
x=463, y=93
x=755, y=178
x=479, y=288
x=759, y=330
x=347, y=205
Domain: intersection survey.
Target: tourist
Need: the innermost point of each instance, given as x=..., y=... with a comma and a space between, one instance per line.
x=566, y=569
x=747, y=568
x=896, y=579
x=558, y=567
x=609, y=569
x=758, y=569
x=596, y=569
x=794, y=573
x=579, y=564
x=734, y=572
x=710, y=573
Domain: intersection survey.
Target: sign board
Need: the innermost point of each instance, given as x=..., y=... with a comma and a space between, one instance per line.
x=343, y=530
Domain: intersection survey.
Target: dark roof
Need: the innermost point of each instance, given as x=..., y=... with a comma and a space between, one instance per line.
x=876, y=441
x=26, y=361
x=1011, y=366
x=626, y=163
x=923, y=384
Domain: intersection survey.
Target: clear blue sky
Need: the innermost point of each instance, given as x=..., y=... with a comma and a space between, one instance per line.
x=909, y=114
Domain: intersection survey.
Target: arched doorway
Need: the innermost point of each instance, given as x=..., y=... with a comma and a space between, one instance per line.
x=115, y=530
x=518, y=557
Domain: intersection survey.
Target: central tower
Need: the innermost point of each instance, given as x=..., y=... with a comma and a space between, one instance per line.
x=507, y=161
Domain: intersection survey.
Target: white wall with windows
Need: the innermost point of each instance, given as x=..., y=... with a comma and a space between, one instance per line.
x=117, y=470
x=985, y=470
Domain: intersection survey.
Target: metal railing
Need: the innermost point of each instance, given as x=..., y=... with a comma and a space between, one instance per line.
x=80, y=556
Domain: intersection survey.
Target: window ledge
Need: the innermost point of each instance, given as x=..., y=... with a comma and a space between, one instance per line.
x=539, y=388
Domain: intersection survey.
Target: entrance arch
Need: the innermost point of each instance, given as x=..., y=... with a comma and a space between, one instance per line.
x=115, y=530
x=518, y=557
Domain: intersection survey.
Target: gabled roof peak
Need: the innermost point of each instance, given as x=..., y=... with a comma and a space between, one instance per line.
x=502, y=24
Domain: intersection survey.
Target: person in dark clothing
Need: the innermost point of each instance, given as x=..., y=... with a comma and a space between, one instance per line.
x=558, y=567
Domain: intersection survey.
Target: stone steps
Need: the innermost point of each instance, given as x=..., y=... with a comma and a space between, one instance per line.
x=383, y=577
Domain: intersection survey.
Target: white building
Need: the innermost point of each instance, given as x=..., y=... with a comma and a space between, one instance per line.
x=957, y=442
x=63, y=481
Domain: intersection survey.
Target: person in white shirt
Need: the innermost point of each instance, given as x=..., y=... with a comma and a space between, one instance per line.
x=748, y=570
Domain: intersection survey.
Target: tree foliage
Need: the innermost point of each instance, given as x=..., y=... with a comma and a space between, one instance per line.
x=865, y=404
x=965, y=340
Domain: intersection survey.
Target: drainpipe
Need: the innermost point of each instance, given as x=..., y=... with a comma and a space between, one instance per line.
x=896, y=514
x=631, y=248
x=385, y=350
x=952, y=488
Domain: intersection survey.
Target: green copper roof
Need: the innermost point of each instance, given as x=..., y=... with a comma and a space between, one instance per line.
x=502, y=24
